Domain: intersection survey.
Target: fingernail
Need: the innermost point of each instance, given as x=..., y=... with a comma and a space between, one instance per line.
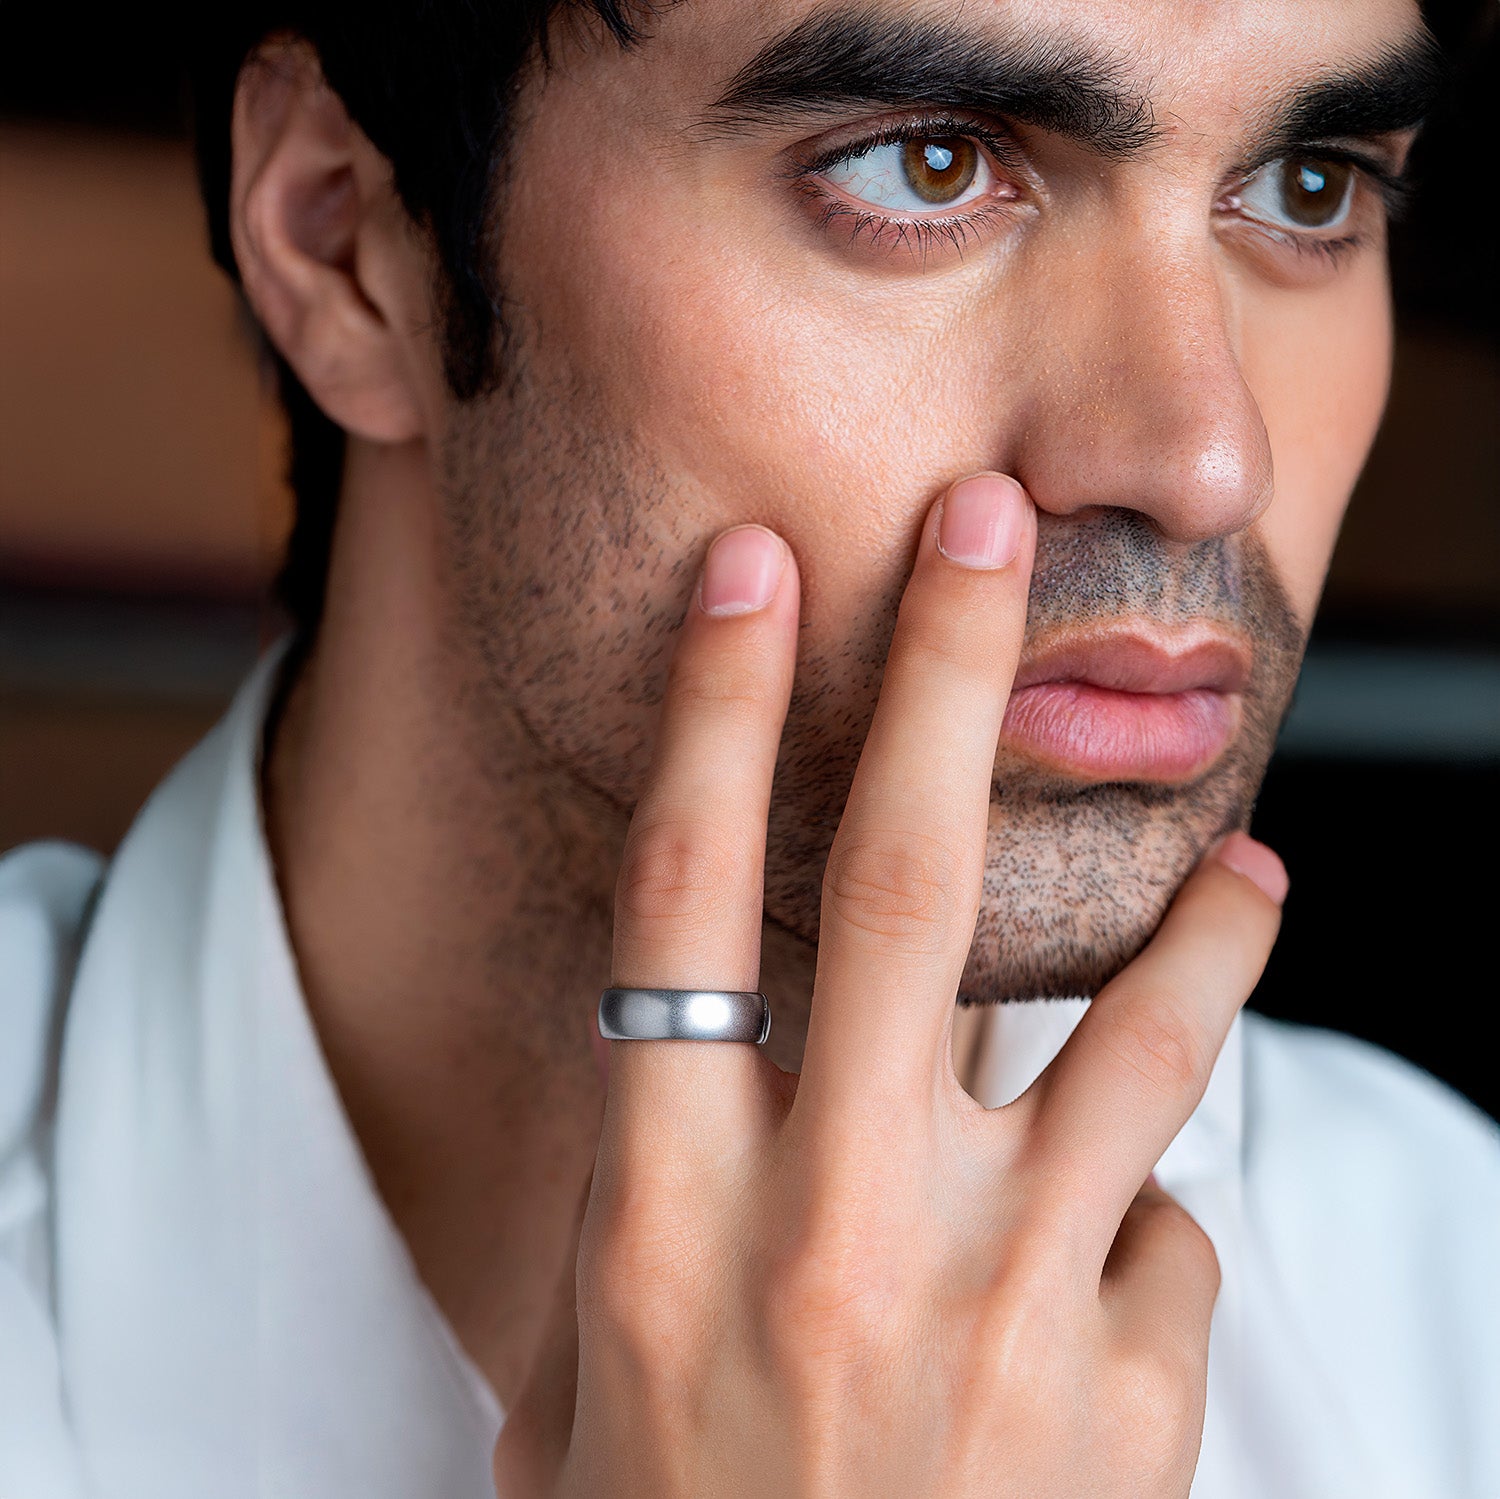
x=1255, y=861
x=980, y=523
x=742, y=570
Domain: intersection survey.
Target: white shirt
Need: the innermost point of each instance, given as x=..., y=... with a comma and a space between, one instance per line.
x=202, y=1294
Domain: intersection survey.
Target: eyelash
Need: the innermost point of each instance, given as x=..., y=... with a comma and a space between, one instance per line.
x=953, y=229
x=1394, y=189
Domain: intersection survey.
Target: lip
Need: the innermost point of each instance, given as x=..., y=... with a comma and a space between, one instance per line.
x=1135, y=701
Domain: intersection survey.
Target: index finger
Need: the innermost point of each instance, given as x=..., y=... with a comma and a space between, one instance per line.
x=905, y=874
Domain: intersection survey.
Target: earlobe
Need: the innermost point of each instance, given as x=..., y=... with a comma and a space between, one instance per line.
x=311, y=218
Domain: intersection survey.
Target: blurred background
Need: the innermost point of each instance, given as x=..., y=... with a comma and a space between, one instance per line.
x=142, y=510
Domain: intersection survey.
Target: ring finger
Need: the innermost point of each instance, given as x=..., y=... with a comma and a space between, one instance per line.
x=688, y=900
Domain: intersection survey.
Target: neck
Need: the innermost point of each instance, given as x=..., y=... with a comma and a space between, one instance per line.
x=448, y=888
x=448, y=896
x=449, y=892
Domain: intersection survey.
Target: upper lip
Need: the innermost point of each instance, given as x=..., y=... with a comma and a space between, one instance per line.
x=1139, y=657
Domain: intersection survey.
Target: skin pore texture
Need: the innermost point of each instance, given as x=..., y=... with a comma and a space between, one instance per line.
x=693, y=342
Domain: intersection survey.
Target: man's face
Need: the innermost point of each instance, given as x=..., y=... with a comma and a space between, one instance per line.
x=806, y=264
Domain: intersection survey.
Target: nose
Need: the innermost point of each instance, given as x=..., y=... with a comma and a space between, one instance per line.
x=1139, y=401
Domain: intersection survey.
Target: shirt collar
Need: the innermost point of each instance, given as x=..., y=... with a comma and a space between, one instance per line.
x=277, y=1338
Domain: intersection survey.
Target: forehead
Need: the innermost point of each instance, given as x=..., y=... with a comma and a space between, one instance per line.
x=1210, y=57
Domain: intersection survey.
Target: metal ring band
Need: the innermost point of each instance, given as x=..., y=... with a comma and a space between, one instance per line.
x=684, y=1015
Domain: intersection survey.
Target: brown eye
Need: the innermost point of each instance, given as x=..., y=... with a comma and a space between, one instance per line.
x=913, y=177
x=1300, y=192
x=1314, y=191
x=939, y=169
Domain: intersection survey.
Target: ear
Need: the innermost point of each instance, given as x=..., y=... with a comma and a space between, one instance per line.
x=324, y=247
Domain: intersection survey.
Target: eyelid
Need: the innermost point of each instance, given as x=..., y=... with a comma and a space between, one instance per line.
x=917, y=233
x=997, y=141
x=1328, y=245
x=1393, y=185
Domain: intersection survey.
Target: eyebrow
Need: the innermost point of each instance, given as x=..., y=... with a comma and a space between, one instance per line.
x=1394, y=92
x=835, y=61
x=854, y=58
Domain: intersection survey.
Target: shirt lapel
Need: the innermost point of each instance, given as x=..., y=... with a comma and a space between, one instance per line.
x=238, y=1312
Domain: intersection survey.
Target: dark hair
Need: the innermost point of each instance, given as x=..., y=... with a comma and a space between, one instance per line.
x=431, y=84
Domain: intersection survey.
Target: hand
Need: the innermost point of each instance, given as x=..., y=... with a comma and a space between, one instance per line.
x=858, y=1282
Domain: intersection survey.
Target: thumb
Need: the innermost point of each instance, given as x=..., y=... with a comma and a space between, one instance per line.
x=534, y=1441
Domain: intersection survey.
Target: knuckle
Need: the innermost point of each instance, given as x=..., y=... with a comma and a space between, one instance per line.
x=1172, y=1227
x=1192, y=1242
x=636, y=1276
x=675, y=874
x=1158, y=1394
x=900, y=887
x=1018, y=1330
x=720, y=680
x=954, y=634
x=824, y=1314
x=1030, y=1278
x=1157, y=1045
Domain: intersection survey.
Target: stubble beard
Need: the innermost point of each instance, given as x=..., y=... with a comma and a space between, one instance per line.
x=574, y=556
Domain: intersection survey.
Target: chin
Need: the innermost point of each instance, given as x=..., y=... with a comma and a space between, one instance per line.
x=1078, y=878
x=1066, y=962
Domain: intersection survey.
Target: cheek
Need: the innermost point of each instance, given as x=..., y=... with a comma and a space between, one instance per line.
x=1320, y=370
x=759, y=390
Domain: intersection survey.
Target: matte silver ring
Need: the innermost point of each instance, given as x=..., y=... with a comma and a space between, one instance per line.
x=684, y=1015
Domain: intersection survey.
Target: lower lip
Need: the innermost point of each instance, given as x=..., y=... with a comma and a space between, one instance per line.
x=1098, y=733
